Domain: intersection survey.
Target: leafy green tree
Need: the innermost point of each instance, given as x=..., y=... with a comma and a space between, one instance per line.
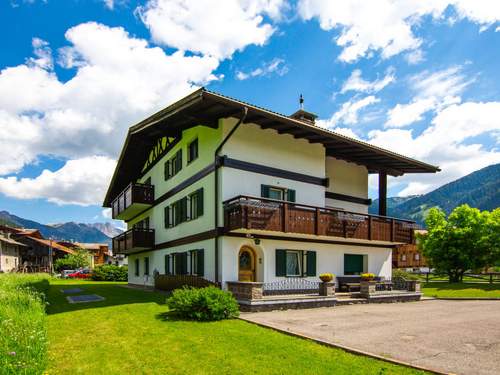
x=80, y=259
x=467, y=240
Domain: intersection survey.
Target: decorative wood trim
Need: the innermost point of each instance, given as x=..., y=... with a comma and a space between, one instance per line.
x=271, y=171
x=308, y=240
x=347, y=198
x=188, y=239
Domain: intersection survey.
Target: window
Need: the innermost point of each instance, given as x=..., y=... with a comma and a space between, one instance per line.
x=180, y=263
x=143, y=224
x=187, y=208
x=417, y=256
x=355, y=264
x=197, y=262
x=136, y=267
x=192, y=151
x=278, y=193
x=173, y=165
x=146, y=266
x=295, y=263
x=195, y=202
x=403, y=257
x=167, y=264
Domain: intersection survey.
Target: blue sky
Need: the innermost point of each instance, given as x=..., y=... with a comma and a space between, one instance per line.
x=419, y=78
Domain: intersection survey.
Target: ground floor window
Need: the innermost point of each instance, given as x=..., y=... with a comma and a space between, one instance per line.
x=355, y=264
x=146, y=266
x=295, y=263
x=136, y=267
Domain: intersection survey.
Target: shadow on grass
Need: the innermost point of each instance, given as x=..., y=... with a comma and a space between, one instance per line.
x=439, y=285
x=114, y=293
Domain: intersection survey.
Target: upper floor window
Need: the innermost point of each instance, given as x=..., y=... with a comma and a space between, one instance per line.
x=193, y=151
x=185, y=209
x=278, y=193
x=143, y=224
x=173, y=165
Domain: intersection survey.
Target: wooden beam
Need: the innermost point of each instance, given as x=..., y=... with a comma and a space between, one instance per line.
x=382, y=193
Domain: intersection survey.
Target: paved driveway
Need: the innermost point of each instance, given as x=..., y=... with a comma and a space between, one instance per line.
x=462, y=337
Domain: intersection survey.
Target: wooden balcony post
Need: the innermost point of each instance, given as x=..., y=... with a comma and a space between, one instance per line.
x=316, y=221
x=382, y=193
x=284, y=217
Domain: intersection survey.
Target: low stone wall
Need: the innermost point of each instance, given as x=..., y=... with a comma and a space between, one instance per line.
x=245, y=290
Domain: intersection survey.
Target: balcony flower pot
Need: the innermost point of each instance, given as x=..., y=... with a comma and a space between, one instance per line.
x=326, y=277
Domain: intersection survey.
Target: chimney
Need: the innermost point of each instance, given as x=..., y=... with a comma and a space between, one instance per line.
x=303, y=115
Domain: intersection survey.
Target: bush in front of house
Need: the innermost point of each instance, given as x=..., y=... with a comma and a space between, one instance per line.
x=205, y=304
x=23, y=328
x=110, y=272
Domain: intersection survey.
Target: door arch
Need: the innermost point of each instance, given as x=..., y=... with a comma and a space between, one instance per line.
x=246, y=264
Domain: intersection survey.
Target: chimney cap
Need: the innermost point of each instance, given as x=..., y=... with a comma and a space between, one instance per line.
x=304, y=116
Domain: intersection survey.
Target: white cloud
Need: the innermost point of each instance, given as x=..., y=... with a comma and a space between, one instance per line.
x=387, y=26
x=433, y=91
x=118, y=81
x=448, y=142
x=78, y=182
x=215, y=28
x=276, y=66
x=348, y=113
x=106, y=213
x=355, y=82
x=415, y=57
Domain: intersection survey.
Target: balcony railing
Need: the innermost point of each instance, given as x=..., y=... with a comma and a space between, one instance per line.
x=245, y=212
x=135, y=198
x=133, y=240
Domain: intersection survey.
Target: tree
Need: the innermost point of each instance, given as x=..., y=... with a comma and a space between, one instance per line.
x=80, y=259
x=467, y=240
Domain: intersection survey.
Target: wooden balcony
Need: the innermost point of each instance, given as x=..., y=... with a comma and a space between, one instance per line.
x=133, y=240
x=245, y=212
x=134, y=199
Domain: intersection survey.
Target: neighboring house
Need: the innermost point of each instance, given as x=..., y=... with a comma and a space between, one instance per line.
x=10, y=251
x=215, y=187
x=38, y=252
x=408, y=256
x=99, y=251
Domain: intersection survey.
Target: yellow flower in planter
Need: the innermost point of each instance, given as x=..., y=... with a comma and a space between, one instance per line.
x=367, y=276
x=326, y=277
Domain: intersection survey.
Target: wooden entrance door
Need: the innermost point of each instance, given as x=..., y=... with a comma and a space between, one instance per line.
x=246, y=264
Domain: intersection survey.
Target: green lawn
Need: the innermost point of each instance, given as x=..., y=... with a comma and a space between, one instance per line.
x=470, y=290
x=130, y=333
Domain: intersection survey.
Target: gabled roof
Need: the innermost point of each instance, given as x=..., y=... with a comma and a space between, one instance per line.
x=204, y=107
x=52, y=243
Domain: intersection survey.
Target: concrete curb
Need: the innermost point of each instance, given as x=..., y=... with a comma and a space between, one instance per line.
x=349, y=349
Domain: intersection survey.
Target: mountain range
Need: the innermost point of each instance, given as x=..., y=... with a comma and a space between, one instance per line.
x=480, y=189
x=71, y=231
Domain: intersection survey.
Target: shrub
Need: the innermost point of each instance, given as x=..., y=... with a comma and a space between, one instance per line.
x=23, y=338
x=208, y=303
x=401, y=274
x=80, y=259
x=110, y=272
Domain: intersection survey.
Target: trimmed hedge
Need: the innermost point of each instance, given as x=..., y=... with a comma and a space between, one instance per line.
x=110, y=272
x=23, y=329
x=206, y=304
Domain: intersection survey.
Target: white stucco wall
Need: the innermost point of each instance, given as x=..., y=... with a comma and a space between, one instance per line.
x=349, y=179
x=157, y=261
x=329, y=258
x=9, y=257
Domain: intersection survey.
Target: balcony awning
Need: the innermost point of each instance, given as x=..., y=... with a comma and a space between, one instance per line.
x=204, y=107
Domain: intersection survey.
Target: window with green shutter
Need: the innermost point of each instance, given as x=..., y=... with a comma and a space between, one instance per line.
x=146, y=265
x=166, y=218
x=192, y=151
x=353, y=264
x=295, y=263
x=196, y=204
x=167, y=264
x=290, y=195
x=311, y=263
x=173, y=165
x=278, y=193
x=280, y=262
x=136, y=267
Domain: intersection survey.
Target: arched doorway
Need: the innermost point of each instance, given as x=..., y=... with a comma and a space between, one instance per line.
x=246, y=264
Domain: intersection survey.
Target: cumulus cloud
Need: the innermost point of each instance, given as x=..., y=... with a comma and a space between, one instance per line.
x=276, y=66
x=355, y=82
x=215, y=28
x=433, y=91
x=348, y=113
x=78, y=182
x=118, y=81
x=447, y=142
x=387, y=26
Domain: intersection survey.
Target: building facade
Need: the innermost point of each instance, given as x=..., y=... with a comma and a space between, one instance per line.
x=227, y=191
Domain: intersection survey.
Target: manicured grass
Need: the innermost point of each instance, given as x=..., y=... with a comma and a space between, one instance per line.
x=132, y=333
x=469, y=290
x=23, y=334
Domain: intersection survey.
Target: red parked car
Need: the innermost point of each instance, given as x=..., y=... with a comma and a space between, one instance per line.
x=83, y=274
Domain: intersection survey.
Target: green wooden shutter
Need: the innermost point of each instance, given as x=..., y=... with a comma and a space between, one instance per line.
x=166, y=212
x=184, y=258
x=280, y=262
x=311, y=263
x=199, y=194
x=137, y=267
x=178, y=160
x=290, y=195
x=264, y=191
x=184, y=213
x=167, y=170
x=200, y=266
x=167, y=268
x=353, y=264
x=177, y=212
